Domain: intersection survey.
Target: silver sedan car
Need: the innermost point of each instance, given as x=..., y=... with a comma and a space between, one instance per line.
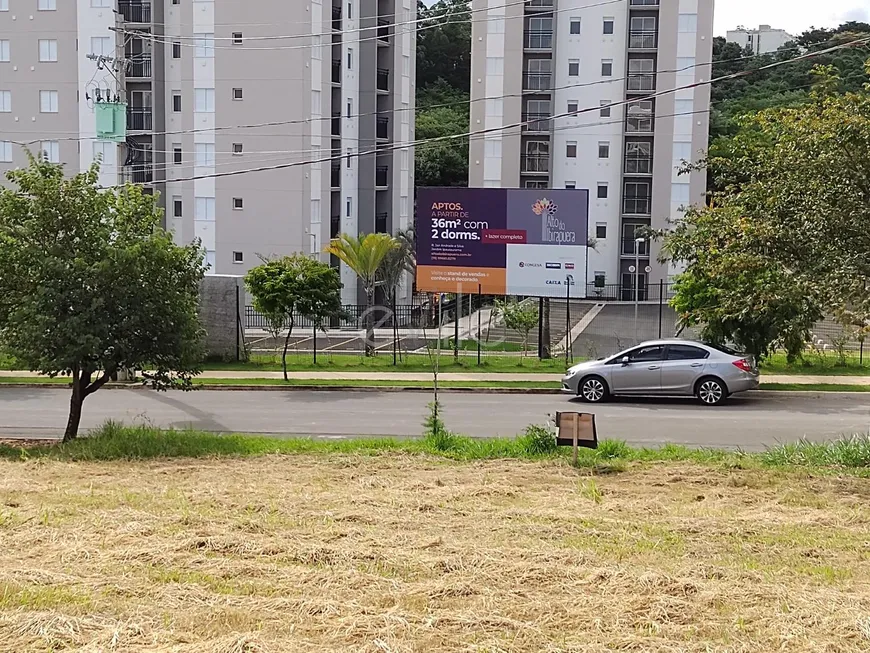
x=665, y=368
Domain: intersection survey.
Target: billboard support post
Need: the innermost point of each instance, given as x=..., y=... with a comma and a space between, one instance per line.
x=479, y=305
x=568, y=343
x=457, y=315
x=540, y=328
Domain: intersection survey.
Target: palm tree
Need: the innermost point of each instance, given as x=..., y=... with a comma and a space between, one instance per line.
x=365, y=256
x=399, y=262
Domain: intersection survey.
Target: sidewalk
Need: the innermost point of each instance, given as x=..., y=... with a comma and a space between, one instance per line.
x=453, y=376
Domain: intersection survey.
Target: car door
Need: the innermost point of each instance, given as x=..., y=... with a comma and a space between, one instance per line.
x=682, y=367
x=642, y=374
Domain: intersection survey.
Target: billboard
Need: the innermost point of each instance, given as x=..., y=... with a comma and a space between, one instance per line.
x=509, y=241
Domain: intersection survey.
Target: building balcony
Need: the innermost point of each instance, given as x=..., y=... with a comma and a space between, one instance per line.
x=336, y=71
x=643, y=125
x=335, y=176
x=636, y=206
x=382, y=177
x=628, y=245
x=381, y=223
x=382, y=128
x=383, y=31
x=336, y=18
x=382, y=80
x=641, y=82
x=335, y=128
x=139, y=119
x=538, y=82
x=644, y=3
x=538, y=40
x=139, y=173
x=638, y=165
x=137, y=13
x=535, y=163
x=335, y=226
x=537, y=122
x=139, y=68
x=642, y=41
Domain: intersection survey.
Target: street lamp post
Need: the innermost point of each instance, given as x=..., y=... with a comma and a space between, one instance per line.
x=637, y=244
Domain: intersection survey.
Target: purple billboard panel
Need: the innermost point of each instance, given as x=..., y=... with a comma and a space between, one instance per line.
x=550, y=217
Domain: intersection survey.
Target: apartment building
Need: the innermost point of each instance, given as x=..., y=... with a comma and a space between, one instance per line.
x=585, y=79
x=763, y=40
x=212, y=95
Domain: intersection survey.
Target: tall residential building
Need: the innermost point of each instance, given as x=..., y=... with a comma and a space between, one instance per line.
x=214, y=90
x=561, y=67
x=763, y=40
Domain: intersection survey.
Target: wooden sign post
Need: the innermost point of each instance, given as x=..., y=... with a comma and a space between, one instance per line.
x=576, y=430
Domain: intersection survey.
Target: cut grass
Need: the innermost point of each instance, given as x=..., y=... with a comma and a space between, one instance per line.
x=817, y=365
x=410, y=552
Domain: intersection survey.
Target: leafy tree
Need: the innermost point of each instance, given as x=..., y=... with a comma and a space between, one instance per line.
x=787, y=238
x=365, y=256
x=521, y=317
x=90, y=284
x=293, y=286
x=444, y=44
x=397, y=265
x=444, y=162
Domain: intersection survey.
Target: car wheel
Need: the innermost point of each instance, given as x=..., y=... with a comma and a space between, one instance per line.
x=593, y=390
x=711, y=391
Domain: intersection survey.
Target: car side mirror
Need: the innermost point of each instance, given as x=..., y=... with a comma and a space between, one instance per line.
x=625, y=360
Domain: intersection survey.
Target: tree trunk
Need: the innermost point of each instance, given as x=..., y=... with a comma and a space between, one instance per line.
x=79, y=385
x=370, y=324
x=284, y=353
x=546, y=354
x=395, y=328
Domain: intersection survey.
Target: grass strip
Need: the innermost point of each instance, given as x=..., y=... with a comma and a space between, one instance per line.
x=114, y=441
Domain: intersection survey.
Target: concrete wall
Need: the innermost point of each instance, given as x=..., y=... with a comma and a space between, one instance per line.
x=222, y=316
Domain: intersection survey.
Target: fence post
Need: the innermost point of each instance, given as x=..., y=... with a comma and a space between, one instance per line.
x=479, y=306
x=661, y=304
x=540, y=328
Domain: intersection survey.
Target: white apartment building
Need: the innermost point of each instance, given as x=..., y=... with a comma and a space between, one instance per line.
x=211, y=95
x=763, y=40
x=562, y=67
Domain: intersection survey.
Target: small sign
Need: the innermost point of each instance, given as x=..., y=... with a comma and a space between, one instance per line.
x=647, y=269
x=576, y=430
x=632, y=269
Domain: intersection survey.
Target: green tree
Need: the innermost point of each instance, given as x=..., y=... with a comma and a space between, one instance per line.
x=365, y=256
x=444, y=44
x=787, y=238
x=442, y=112
x=518, y=316
x=399, y=264
x=294, y=286
x=90, y=284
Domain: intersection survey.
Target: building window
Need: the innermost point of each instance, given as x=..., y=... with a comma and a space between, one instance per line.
x=237, y=148
x=608, y=25
x=684, y=107
x=238, y=257
x=203, y=208
x=607, y=67
x=48, y=101
x=603, y=150
x=5, y=152
x=4, y=51
x=600, y=279
x=349, y=206
x=102, y=45
x=176, y=50
x=177, y=156
x=535, y=184
x=575, y=26
x=349, y=108
x=203, y=45
x=601, y=230
x=47, y=5
x=176, y=102
x=602, y=190
x=681, y=193
x=238, y=204
x=50, y=151
x=573, y=68
x=572, y=106
x=204, y=155
x=570, y=185
x=687, y=23
x=4, y=5
x=350, y=11
x=47, y=50
x=237, y=38
x=237, y=94
x=176, y=2
x=5, y=101
x=94, y=3
x=177, y=206
x=571, y=149
x=203, y=100
x=350, y=58
x=605, y=109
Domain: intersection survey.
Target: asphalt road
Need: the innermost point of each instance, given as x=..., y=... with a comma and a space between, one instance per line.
x=749, y=421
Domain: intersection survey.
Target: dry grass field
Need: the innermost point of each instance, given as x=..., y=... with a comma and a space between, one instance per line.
x=406, y=553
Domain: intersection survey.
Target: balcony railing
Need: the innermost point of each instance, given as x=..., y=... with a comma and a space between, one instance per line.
x=537, y=81
x=628, y=245
x=381, y=223
x=139, y=119
x=636, y=205
x=382, y=177
x=639, y=125
x=335, y=176
x=383, y=30
x=641, y=82
x=644, y=3
x=336, y=124
x=140, y=173
x=382, y=80
x=536, y=122
x=135, y=12
x=382, y=128
x=539, y=4
x=538, y=40
x=336, y=71
x=642, y=41
x=535, y=163
x=638, y=165
x=139, y=68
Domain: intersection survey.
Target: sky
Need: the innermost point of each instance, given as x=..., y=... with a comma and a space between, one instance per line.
x=794, y=16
